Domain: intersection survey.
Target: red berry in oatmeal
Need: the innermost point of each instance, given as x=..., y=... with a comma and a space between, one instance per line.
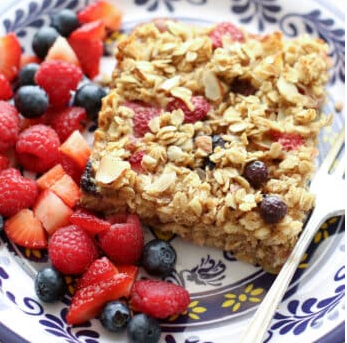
x=225, y=29
x=201, y=108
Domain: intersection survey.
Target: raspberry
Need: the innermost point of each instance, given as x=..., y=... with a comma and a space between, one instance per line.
x=71, y=167
x=9, y=126
x=143, y=114
x=16, y=192
x=4, y=162
x=37, y=148
x=289, y=141
x=201, y=108
x=67, y=121
x=159, y=299
x=225, y=29
x=123, y=242
x=6, y=92
x=71, y=250
x=135, y=161
x=58, y=79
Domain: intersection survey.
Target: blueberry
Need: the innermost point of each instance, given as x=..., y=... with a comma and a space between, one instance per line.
x=256, y=173
x=208, y=163
x=217, y=140
x=272, y=209
x=26, y=75
x=43, y=40
x=50, y=285
x=158, y=257
x=115, y=316
x=89, y=96
x=1, y=222
x=243, y=86
x=143, y=329
x=87, y=185
x=31, y=101
x=65, y=21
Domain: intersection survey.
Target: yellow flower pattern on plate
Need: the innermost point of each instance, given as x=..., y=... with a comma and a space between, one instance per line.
x=235, y=300
x=323, y=230
x=193, y=311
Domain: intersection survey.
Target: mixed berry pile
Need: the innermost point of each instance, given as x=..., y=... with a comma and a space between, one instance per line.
x=46, y=100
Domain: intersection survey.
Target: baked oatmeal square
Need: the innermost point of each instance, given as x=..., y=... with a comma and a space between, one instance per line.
x=211, y=133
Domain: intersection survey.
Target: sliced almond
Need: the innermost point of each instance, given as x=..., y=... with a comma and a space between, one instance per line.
x=191, y=56
x=237, y=127
x=177, y=117
x=262, y=144
x=110, y=169
x=168, y=84
x=184, y=94
x=174, y=153
x=213, y=87
x=154, y=124
x=288, y=90
x=161, y=184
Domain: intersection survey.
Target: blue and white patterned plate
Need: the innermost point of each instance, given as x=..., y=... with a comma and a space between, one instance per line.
x=224, y=292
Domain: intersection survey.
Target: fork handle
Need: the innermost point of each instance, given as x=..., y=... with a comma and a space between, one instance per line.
x=265, y=312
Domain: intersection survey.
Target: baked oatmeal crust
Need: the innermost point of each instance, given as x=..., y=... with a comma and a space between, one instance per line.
x=263, y=85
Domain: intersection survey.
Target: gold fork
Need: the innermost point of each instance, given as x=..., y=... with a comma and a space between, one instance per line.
x=329, y=189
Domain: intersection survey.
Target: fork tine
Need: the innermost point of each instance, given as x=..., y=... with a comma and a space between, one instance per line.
x=340, y=167
x=335, y=149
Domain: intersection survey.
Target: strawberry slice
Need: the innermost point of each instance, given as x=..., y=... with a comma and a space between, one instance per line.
x=67, y=189
x=10, y=52
x=48, y=179
x=102, y=10
x=51, y=211
x=62, y=51
x=89, y=53
x=91, y=31
x=289, y=141
x=89, y=301
x=88, y=46
x=76, y=148
x=26, y=230
x=128, y=269
x=99, y=270
x=89, y=221
x=131, y=271
x=6, y=92
x=71, y=167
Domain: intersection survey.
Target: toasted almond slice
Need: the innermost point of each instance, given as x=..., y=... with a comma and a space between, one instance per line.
x=288, y=90
x=213, y=88
x=111, y=169
x=168, y=84
x=162, y=183
x=184, y=94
